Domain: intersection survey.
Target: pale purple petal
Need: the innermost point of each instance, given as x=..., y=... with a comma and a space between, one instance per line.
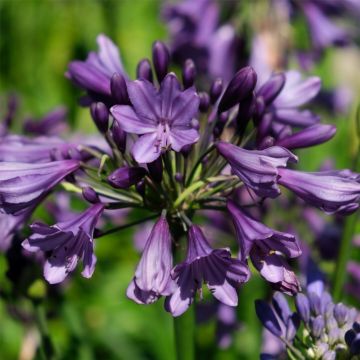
x=146, y=149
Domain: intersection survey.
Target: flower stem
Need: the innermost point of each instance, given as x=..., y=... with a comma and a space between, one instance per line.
x=344, y=255
x=47, y=350
x=184, y=335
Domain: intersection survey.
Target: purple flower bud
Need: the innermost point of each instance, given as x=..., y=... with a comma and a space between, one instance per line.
x=100, y=115
x=350, y=336
x=216, y=90
x=272, y=88
x=124, y=177
x=292, y=325
x=331, y=191
x=259, y=109
x=143, y=70
x=281, y=306
x=245, y=113
x=156, y=170
x=188, y=73
x=179, y=177
x=239, y=88
x=303, y=307
x=161, y=59
x=355, y=345
x=267, y=317
x=317, y=326
x=310, y=136
x=152, y=276
x=264, y=127
x=334, y=335
x=341, y=314
x=90, y=195
x=119, y=89
x=140, y=187
x=331, y=323
x=204, y=102
x=329, y=355
x=195, y=124
x=315, y=303
x=258, y=169
x=266, y=142
x=119, y=136
x=185, y=150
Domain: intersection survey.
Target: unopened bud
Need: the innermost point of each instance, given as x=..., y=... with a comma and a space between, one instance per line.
x=143, y=70
x=100, y=115
x=188, y=73
x=119, y=89
x=161, y=59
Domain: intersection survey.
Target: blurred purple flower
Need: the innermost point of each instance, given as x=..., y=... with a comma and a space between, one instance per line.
x=258, y=169
x=331, y=191
x=22, y=184
x=152, y=276
x=215, y=267
x=67, y=242
x=162, y=118
x=52, y=123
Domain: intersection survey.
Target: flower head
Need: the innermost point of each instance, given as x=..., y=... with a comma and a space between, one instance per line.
x=221, y=273
x=163, y=117
x=152, y=276
x=258, y=169
x=22, y=184
x=67, y=242
x=331, y=191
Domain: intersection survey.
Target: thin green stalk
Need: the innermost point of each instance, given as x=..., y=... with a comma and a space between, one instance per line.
x=47, y=350
x=122, y=227
x=185, y=335
x=187, y=192
x=344, y=255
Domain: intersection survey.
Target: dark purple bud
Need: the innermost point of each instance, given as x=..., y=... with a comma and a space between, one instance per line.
x=284, y=131
x=119, y=89
x=356, y=326
x=100, y=115
x=143, y=70
x=310, y=136
x=155, y=169
x=119, y=136
x=272, y=88
x=188, y=73
x=216, y=90
x=349, y=337
x=267, y=317
x=266, y=142
x=341, y=314
x=90, y=195
x=219, y=127
x=317, y=326
x=245, y=113
x=264, y=127
x=140, y=187
x=185, y=150
x=195, y=124
x=355, y=346
x=161, y=59
x=303, y=307
x=124, y=177
x=179, y=177
x=239, y=88
x=204, y=102
x=259, y=110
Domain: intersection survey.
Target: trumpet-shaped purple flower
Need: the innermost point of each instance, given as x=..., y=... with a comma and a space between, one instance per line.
x=258, y=169
x=221, y=273
x=152, y=276
x=67, y=242
x=94, y=74
x=163, y=117
x=22, y=184
x=331, y=191
x=266, y=248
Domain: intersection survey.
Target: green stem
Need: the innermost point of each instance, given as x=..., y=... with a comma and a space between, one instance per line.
x=187, y=192
x=344, y=255
x=184, y=335
x=47, y=350
x=122, y=227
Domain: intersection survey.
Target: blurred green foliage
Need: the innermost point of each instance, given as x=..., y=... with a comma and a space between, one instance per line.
x=92, y=319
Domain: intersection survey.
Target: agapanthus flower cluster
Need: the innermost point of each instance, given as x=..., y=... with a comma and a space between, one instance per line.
x=172, y=152
x=318, y=329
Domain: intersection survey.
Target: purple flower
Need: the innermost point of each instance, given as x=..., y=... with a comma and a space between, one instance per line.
x=124, y=177
x=94, y=74
x=152, y=276
x=42, y=149
x=221, y=273
x=310, y=136
x=22, y=184
x=324, y=32
x=258, y=169
x=67, y=242
x=163, y=117
x=331, y=191
x=266, y=248
x=52, y=123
